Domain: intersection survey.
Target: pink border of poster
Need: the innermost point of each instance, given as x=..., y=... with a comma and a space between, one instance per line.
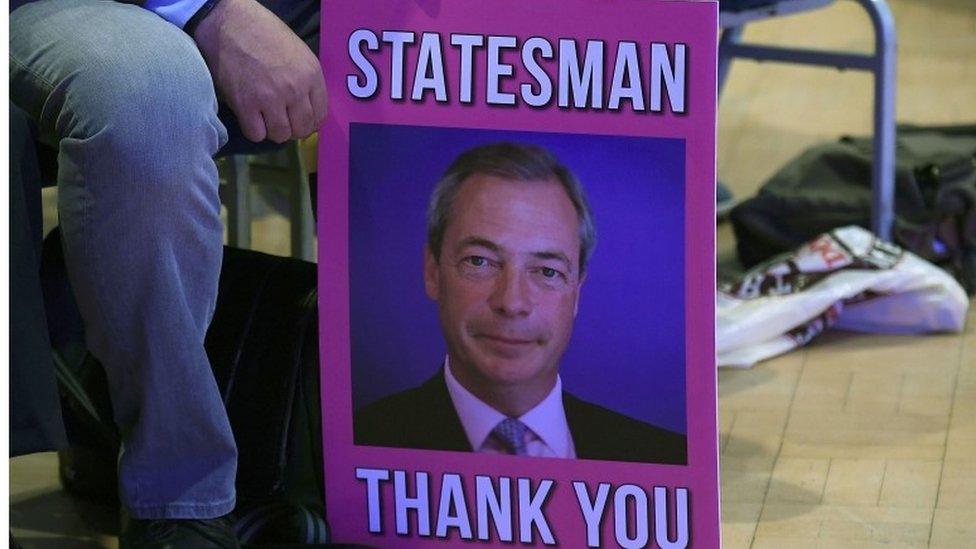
x=693, y=25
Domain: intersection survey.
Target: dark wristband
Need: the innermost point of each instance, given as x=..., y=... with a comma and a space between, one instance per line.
x=199, y=16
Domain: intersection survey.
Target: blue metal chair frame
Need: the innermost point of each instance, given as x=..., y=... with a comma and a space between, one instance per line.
x=881, y=63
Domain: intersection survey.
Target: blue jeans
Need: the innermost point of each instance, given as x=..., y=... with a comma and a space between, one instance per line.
x=128, y=102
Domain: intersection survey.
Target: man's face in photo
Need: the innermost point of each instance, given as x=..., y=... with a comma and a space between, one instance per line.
x=507, y=281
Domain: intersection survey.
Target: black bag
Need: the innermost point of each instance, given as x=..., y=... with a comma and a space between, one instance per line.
x=263, y=347
x=829, y=186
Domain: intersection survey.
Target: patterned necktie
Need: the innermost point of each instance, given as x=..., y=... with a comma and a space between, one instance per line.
x=510, y=432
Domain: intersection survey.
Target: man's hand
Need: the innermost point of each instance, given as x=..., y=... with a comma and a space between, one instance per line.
x=267, y=75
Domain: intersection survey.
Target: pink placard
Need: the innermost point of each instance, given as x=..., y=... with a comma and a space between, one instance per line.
x=622, y=93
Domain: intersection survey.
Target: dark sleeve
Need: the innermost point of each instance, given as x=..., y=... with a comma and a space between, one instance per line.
x=35, y=407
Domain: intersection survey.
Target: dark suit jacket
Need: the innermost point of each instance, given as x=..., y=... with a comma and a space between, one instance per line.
x=424, y=418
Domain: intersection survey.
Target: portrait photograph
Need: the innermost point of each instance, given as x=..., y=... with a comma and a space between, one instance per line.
x=518, y=292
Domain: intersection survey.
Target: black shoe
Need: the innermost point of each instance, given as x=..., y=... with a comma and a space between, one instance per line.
x=178, y=534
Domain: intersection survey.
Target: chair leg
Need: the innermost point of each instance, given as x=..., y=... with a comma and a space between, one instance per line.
x=731, y=35
x=238, y=202
x=302, y=223
x=883, y=169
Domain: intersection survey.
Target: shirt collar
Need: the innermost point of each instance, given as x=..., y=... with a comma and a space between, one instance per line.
x=547, y=419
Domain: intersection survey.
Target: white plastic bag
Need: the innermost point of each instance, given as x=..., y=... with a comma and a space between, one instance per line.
x=845, y=278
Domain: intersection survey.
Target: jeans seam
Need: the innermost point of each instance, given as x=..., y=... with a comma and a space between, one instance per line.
x=95, y=259
x=178, y=506
x=20, y=64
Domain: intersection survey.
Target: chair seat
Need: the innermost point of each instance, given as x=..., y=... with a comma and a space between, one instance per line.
x=742, y=5
x=734, y=13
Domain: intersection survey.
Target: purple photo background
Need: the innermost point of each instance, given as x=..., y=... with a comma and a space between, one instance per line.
x=627, y=351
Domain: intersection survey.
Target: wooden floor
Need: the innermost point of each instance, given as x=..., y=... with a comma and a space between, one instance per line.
x=855, y=441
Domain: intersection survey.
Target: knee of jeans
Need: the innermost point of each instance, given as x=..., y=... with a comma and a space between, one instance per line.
x=152, y=142
x=171, y=116
x=155, y=109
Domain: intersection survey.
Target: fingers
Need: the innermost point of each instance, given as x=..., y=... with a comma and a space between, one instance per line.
x=319, y=99
x=280, y=112
x=312, y=107
x=280, y=123
x=252, y=125
x=302, y=118
x=276, y=121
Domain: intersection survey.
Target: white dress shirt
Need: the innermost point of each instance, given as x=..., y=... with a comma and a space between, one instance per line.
x=548, y=434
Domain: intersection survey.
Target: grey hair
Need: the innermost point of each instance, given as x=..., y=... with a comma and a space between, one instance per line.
x=513, y=161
